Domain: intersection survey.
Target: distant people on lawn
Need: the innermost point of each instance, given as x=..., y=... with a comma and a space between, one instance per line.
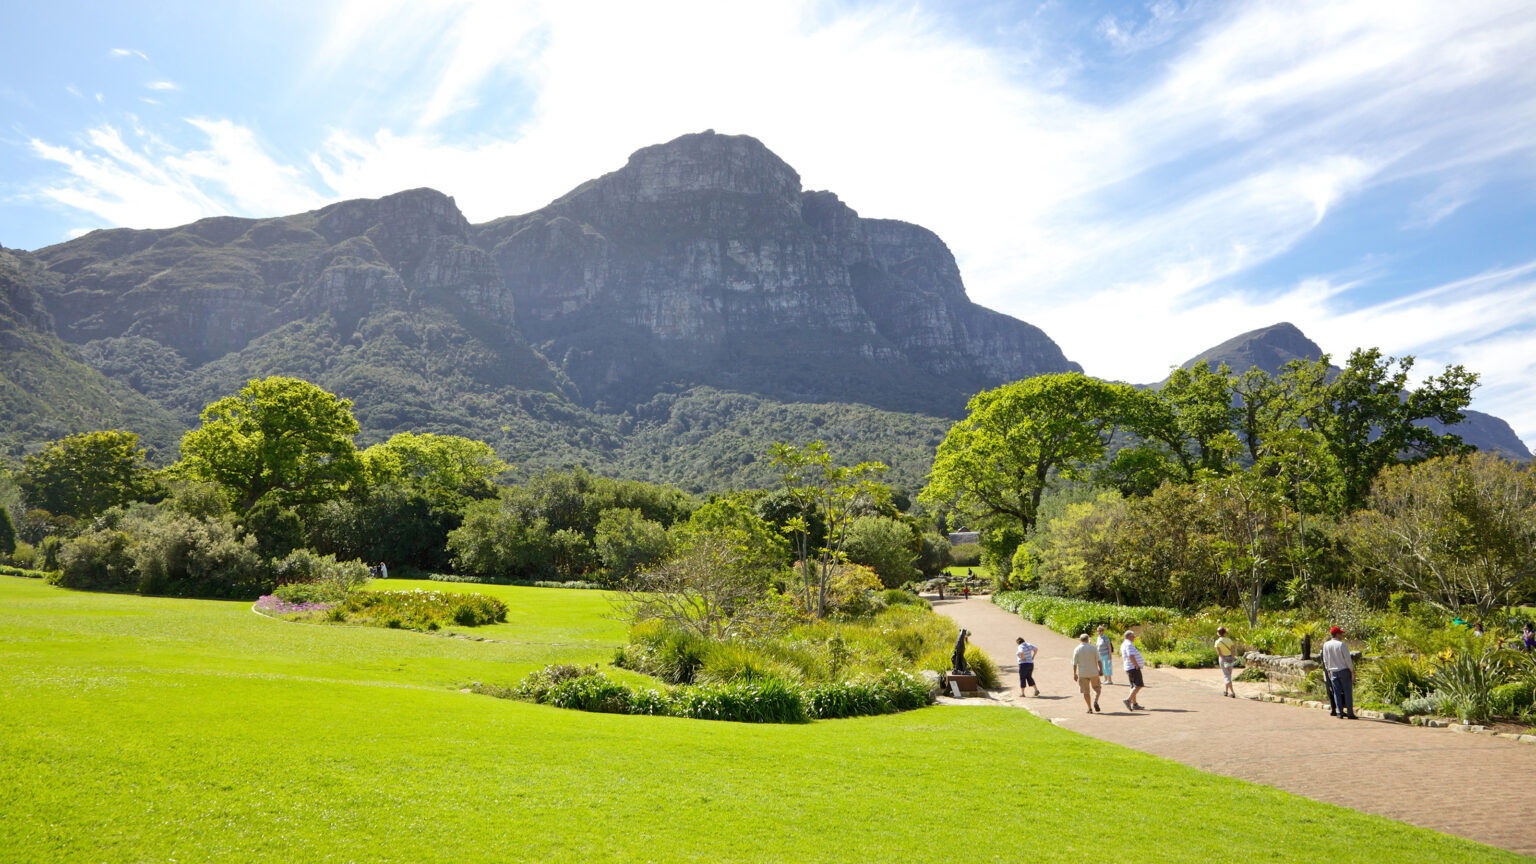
x=1085, y=671
x=1226, y=657
x=1340, y=669
x=1106, y=658
x=1027, y=666
x=959, y=658
x=1134, y=663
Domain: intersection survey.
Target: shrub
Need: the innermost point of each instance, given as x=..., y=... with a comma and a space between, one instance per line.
x=178, y=554
x=1203, y=658
x=590, y=693
x=317, y=577
x=1415, y=706
x=1509, y=700
x=1252, y=674
x=1394, y=679
x=731, y=662
x=417, y=609
x=22, y=572
x=982, y=665
x=96, y=562
x=1070, y=617
x=1465, y=681
x=766, y=702
x=536, y=686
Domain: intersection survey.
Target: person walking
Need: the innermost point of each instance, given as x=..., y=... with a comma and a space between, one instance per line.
x=1134, y=663
x=1027, y=666
x=1226, y=657
x=1340, y=669
x=1106, y=658
x=1085, y=671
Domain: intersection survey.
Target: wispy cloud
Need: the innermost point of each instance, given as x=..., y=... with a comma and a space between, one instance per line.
x=141, y=180
x=121, y=53
x=162, y=85
x=1110, y=221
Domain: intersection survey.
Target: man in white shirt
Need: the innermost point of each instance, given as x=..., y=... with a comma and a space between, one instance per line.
x=1134, y=663
x=1339, y=666
x=1085, y=671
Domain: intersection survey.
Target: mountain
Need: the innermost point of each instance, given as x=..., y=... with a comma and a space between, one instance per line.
x=46, y=390
x=703, y=261
x=670, y=320
x=1270, y=348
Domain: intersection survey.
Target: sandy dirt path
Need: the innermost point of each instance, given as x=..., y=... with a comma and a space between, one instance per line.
x=1473, y=786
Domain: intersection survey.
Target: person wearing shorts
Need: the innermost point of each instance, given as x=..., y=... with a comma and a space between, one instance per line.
x=1133, y=666
x=1226, y=657
x=1085, y=671
x=1027, y=666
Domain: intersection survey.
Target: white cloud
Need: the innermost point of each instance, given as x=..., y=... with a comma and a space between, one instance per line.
x=141, y=180
x=1107, y=221
x=120, y=53
x=162, y=85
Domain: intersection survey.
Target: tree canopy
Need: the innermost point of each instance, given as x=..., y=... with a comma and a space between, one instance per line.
x=279, y=436
x=83, y=475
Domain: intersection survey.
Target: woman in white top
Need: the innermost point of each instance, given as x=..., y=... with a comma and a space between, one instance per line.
x=1027, y=666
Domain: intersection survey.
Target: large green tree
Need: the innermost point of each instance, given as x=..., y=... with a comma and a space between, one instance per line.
x=1372, y=418
x=83, y=475
x=440, y=466
x=1460, y=532
x=1019, y=439
x=279, y=436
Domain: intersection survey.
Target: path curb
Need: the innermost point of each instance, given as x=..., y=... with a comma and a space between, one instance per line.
x=1393, y=717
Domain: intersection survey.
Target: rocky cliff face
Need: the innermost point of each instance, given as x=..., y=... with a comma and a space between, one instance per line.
x=703, y=260
x=209, y=288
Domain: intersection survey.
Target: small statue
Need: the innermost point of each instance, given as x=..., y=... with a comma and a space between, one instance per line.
x=959, y=658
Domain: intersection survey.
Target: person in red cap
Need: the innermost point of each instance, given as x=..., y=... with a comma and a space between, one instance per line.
x=1340, y=669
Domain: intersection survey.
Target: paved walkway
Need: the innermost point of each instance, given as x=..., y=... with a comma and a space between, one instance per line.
x=1474, y=786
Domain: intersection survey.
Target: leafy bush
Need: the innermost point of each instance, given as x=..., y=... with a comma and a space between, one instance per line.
x=983, y=667
x=1416, y=706
x=19, y=571
x=417, y=610
x=1394, y=679
x=1465, y=682
x=672, y=654
x=1252, y=674
x=317, y=578
x=1070, y=617
x=590, y=693
x=536, y=686
x=1203, y=658
x=524, y=583
x=1509, y=700
x=765, y=702
x=96, y=562
x=732, y=662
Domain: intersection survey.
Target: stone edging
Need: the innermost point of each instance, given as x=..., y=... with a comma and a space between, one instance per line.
x=1393, y=717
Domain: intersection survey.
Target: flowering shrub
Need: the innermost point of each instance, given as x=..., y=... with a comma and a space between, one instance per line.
x=423, y=610
x=274, y=605
x=766, y=701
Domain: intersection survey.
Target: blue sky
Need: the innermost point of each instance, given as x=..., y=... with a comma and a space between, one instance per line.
x=1141, y=180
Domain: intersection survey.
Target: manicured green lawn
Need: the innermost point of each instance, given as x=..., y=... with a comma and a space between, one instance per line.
x=145, y=729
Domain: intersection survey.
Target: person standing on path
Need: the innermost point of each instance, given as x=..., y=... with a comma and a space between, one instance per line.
x=1134, y=663
x=1027, y=666
x=1085, y=671
x=1106, y=661
x=1340, y=669
x=1226, y=656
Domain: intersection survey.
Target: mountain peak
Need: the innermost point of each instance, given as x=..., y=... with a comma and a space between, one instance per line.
x=1268, y=348
x=708, y=161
